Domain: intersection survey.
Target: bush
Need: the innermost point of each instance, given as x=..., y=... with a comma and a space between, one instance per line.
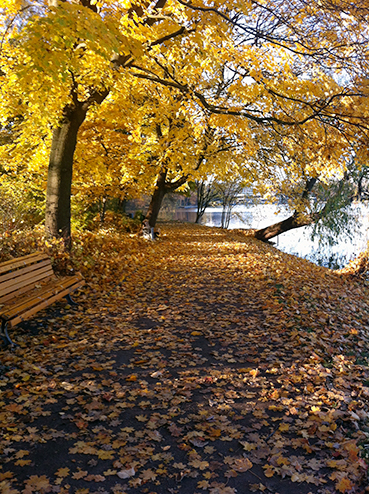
x=115, y=221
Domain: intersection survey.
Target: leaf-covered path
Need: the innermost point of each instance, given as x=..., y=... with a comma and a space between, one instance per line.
x=205, y=362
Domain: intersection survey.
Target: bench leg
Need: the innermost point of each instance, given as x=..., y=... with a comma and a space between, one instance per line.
x=5, y=336
x=70, y=300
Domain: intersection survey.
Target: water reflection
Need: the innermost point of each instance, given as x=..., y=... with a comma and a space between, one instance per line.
x=297, y=241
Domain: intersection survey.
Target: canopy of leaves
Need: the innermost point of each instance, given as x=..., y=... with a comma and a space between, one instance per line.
x=243, y=68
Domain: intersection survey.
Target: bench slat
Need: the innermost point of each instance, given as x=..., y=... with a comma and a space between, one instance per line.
x=23, y=291
x=21, y=262
x=25, y=280
x=20, y=272
x=42, y=305
x=38, y=299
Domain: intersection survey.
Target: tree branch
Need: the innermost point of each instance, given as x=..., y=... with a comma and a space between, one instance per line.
x=178, y=183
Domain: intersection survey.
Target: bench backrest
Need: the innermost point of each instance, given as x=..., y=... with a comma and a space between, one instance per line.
x=20, y=275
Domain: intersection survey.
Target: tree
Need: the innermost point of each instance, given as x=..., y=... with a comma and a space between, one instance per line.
x=188, y=152
x=317, y=181
x=206, y=193
x=228, y=192
x=250, y=66
x=76, y=51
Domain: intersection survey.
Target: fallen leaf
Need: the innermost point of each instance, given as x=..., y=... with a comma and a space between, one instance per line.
x=126, y=474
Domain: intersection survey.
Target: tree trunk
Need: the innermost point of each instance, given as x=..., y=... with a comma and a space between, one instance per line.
x=157, y=199
x=103, y=205
x=295, y=221
x=59, y=179
x=200, y=192
x=122, y=204
x=162, y=187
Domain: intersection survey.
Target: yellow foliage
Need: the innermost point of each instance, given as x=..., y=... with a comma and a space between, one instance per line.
x=277, y=102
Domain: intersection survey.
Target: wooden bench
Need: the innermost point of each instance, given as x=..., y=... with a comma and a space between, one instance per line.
x=27, y=285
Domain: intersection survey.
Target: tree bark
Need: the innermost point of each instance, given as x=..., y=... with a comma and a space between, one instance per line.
x=59, y=179
x=157, y=198
x=162, y=187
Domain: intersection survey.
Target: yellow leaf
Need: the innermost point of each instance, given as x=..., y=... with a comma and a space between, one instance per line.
x=109, y=472
x=284, y=427
x=131, y=378
x=22, y=453
x=268, y=471
x=62, y=472
x=247, y=446
x=5, y=488
x=297, y=478
x=242, y=465
x=80, y=474
x=201, y=465
x=105, y=455
x=344, y=485
x=23, y=463
x=141, y=418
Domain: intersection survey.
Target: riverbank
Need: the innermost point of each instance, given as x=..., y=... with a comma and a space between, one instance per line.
x=342, y=248
x=206, y=361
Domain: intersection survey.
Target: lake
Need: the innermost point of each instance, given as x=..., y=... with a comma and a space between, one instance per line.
x=296, y=241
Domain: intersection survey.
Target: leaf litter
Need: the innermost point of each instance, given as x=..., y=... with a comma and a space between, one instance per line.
x=204, y=362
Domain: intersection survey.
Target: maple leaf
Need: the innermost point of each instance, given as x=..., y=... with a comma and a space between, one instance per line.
x=203, y=484
x=6, y=488
x=80, y=474
x=268, y=471
x=222, y=489
x=23, y=463
x=242, y=465
x=62, y=472
x=6, y=475
x=105, y=455
x=155, y=435
x=35, y=483
x=201, y=465
x=141, y=418
x=148, y=475
x=94, y=478
x=257, y=487
x=284, y=427
x=295, y=477
x=21, y=453
x=109, y=472
x=344, y=485
x=247, y=446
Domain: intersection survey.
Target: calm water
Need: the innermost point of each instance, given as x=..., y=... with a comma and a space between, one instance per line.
x=297, y=241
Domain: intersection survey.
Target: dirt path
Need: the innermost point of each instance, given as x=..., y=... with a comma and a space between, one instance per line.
x=218, y=365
